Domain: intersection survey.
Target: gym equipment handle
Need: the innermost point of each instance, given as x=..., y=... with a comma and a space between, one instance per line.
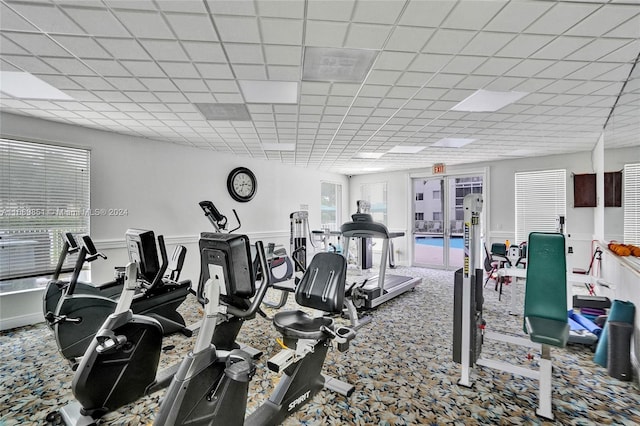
x=265, y=282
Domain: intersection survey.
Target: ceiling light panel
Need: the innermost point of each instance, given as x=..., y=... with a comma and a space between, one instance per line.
x=406, y=149
x=488, y=101
x=330, y=64
x=453, y=142
x=26, y=86
x=269, y=92
x=369, y=155
x=224, y=112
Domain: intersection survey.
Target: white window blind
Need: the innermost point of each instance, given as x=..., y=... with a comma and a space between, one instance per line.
x=44, y=191
x=331, y=205
x=541, y=197
x=632, y=204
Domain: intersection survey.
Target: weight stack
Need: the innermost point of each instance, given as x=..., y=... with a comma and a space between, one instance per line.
x=619, y=351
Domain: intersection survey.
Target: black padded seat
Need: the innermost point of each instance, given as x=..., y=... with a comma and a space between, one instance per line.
x=300, y=325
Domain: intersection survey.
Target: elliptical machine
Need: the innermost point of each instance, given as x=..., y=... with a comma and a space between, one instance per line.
x=78, y=317
x=211, y=385
x=121, y=364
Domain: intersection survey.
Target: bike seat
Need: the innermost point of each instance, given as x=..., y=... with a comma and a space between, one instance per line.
x=301, y=325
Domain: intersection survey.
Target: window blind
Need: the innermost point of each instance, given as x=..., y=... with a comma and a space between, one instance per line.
x=44, y=191
x=540, y=199
x=631, y=203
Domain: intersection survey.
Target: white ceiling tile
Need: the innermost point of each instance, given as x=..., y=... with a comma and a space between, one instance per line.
x=529, y=68
x=7, y=47
x=561, y=47
x=592, y=70
x=232, y=98
x=60, y=82
x=604, y=20
x=69, y=66
x=463, y=64
x=190, y=85
x=561, y=69
x=598, y=48
x=141, y=97
x=223, y=86
x=192, y=27
x=144, y=24
x=325, y=34
x=281, y=31
x=98, y=22
x=487, y=44
x=244, y=53
x=9, y=20
x=377, y=12
x=249, y=72
x=373, y=90
x=83, y=47
x=330, y=10
x=106, y=67
x=628, y=29
x=394, y=60
x=524, y=45
x=236, y=7
x=29, y=64
x=284, y=72
x=82, y=95
x=123, y=48
x=179, y=69
x=366, y=36
x=281, y=8
x=125, y=83
x=110, y=96
x=164, y=50
x=93, y=83
x=47, y=17
x=238, y=29
x=448, y=41
x=429, y=62
x=182, y=6
x=426, y=13
x=516, y=16
x=204, y=52
x=143, y=68
x=472, y=15
x=383, y=77
x=214, y=71
x=283, y=55
x=410, y=39
x=561, y=17
x=626, y=53
x=159, y=84
x=36, y=44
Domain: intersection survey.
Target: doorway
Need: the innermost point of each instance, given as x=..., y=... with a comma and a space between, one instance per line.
x=438, y=214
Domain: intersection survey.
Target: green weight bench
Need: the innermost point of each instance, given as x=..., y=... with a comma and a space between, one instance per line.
x=545, y=314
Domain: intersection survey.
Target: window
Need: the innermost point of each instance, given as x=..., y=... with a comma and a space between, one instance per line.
x=44, y=191
x=419, y=216
x=330, y=205
x=376, y=194
x=419, y=196
x=436, y=195
x=437, y=215
x=540, y=199
x=631, y=204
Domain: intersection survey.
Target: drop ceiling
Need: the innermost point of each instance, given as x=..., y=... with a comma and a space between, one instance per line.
x=146, y=68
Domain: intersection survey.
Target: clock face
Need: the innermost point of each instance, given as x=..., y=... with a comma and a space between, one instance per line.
x=242, y=184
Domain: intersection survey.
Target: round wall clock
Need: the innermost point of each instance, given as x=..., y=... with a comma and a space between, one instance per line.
x=242, y=184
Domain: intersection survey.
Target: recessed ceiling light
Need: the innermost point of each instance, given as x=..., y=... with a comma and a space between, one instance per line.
x=369, y=155
x=335, y=64
x=227, y=112
x=279, y=146
x=488, y=101
x=269, y=92
x=453, y=142
x=405, y=149
x=26, y=86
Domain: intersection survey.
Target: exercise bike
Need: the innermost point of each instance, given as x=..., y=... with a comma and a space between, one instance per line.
x=121, y=363
x=56, y=287
x=211, y=385
x=78, y=317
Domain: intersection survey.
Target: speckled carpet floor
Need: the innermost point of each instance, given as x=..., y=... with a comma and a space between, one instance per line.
x=401, y=365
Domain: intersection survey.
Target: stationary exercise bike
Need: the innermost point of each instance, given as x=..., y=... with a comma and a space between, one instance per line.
x=57, y=287
x=211, y=385
x=77, y=317
x=121, y=364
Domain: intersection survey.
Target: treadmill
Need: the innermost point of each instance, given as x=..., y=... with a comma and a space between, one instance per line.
x=376, y=289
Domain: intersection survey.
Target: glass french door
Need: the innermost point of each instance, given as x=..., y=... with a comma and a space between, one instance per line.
x=438, y=214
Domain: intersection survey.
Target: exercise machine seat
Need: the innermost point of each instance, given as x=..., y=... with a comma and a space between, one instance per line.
x=545, y=303
x=322, y=287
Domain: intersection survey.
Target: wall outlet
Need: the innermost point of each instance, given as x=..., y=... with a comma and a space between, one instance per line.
x=570, y=250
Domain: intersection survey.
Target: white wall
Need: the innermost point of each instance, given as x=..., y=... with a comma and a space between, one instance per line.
x=500, y=198
x=160, y=184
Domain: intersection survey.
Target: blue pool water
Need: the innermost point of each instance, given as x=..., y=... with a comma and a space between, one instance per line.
x=455, y=242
